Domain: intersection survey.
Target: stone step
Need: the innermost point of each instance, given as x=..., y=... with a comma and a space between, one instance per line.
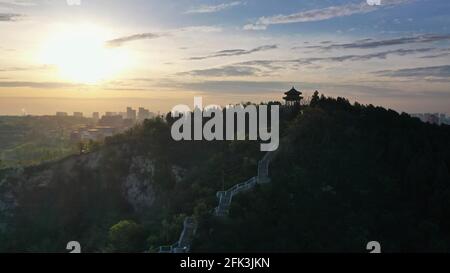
x=225, y=197
x=183, y=245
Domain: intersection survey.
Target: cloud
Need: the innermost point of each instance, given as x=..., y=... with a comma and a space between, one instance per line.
x=370, y=43
x=364, y=57
x=9, y=17
x=29, y=68
x=268, y=67
x=49, y=85
x=126, y=89
x=235, y=52
x=196, y=29
x=213, y=8
x=24, y=3
x=224, y=71
x=321, y=14
x=338, y=59
x=238, y=87
x=241, y=87
x=431, y=72
x=135, y=37
x=436, y=56
x=443, y=52
x=150, y=35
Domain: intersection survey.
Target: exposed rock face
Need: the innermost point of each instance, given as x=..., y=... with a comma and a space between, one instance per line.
x=138, y=186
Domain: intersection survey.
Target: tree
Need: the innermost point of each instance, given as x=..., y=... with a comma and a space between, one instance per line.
x=201, y=210
x=315, y=98
x=127, y=236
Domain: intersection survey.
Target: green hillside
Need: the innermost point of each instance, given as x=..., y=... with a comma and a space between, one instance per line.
x=344, y=175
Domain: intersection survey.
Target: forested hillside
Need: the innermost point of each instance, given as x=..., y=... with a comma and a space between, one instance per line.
x=344, y=175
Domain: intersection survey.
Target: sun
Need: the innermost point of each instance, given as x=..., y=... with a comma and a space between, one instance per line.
x=81, y=55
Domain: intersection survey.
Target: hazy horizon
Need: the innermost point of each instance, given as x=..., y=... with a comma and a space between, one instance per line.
x=107, y=55
x=41, y=106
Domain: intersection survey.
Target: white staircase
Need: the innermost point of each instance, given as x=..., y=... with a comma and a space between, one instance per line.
x=225, y=197
x=183, y=245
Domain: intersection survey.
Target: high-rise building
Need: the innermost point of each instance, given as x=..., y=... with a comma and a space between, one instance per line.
x=78, y=114
x=436, y=118
x=61, y=114
x=96, y=116
x=143, y=114
x=431, y=118
x=131, y=114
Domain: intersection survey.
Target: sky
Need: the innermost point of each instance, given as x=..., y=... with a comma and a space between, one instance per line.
x=104, y=55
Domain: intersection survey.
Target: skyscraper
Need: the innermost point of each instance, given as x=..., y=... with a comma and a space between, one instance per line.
x=131, y=114
x=96, y=116
x=143, y=114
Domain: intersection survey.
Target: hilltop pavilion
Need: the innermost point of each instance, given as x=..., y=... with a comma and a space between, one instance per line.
x=293, y=97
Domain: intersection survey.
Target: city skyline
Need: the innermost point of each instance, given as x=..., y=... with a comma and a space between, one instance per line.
x=140, y=114
x=158, y=54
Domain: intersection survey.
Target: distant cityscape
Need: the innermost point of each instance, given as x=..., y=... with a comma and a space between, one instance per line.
x=79, y=127
x=100, y=127
x=433, y=118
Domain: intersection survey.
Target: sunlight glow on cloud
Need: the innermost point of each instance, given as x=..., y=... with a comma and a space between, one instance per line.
x=192, y=45
x=81, y=56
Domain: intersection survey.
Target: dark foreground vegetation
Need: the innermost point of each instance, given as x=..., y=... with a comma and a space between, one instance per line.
x=345, y=174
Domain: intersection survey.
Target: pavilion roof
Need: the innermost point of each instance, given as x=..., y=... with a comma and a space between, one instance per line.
x=293, y=92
